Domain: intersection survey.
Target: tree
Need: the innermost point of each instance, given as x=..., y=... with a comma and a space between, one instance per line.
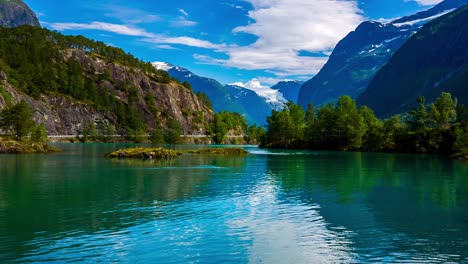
x=39, y=134
x=157, y=136
x=18, y=120
x=286, y=127
x=419, y=115
x=444, y=110
x=172, y=135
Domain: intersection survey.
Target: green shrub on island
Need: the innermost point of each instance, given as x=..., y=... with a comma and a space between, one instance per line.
x=223, y=151
x=25, y=147
x=144, y=153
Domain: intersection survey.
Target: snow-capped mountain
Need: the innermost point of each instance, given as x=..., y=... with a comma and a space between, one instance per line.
x=254, y=102
x=362, y=53
x=164, y=66
x=272, y=97
x=432, y=61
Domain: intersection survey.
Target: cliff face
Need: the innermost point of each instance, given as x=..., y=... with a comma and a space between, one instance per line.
x=14, y=13
x=64, y=115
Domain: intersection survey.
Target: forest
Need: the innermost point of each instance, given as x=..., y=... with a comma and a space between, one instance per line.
x=438, y=127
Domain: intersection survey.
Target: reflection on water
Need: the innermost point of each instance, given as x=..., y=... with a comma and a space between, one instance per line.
x=267, y=207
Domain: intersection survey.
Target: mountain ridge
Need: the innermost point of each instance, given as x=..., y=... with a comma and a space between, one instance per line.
x=14, y=13
x=432, y=61
x=361, y=54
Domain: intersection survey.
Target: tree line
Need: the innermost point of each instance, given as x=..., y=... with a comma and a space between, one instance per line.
x=439, y=127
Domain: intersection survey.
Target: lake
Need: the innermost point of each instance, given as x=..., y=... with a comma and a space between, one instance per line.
x=266, y=207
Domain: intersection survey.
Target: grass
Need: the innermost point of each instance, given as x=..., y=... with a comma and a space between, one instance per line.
x=166, y=154
x=144, y=153
x=10, y=146
x=222, y=151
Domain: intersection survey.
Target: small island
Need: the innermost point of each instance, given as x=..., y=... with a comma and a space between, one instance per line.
x=165, y=154
x=25, y=147
x=20, y=134
x=144, y=153
x=217, y=151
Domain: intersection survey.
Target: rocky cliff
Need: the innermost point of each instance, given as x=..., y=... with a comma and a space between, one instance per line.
x=79, y=85
x=14, y=13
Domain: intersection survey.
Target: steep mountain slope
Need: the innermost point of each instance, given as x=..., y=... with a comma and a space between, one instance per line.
x=230, y=98
x=73, y=82
x=14, y=13
x=257, y=109
x=289, y=89
x=432, y=61
x=359, y=56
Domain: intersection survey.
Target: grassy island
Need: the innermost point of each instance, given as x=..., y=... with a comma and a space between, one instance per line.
x=144, y=153
x=165, y=154
x=25, y=147
x=222, y=151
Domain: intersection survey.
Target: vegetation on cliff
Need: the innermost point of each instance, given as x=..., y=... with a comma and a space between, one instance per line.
x=441, y=127
x=101, y=85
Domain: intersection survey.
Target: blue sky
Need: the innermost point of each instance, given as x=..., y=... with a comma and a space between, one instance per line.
x=228, y=40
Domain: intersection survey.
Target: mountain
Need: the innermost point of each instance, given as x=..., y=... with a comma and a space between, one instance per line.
x=232, y=98
x=289, y=89
x=256, y=108
x=360, y=55
x=73, y=82
x=432, y=61
x=14, y=13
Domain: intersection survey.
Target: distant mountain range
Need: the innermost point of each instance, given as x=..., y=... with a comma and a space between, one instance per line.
x=362, y=53
x=14, y=13
x=432, y=61
x=253, y=105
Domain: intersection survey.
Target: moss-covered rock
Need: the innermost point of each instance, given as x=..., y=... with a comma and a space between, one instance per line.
x=144, y=153
x=223, y=151
x=25, y=147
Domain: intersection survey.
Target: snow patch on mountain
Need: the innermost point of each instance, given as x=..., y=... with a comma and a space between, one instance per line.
x=273, y=97
x=422, y=20
x=164, y=66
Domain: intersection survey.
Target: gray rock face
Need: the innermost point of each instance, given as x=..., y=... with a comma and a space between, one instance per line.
x=14, y=13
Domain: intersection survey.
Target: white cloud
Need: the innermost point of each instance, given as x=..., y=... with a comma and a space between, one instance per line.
x=103, y=26
x=187, y=41
x=137, y=32
x=286, y=27
x=183, y=22
x=129, y=15
x=425, y=2
x=183, y=12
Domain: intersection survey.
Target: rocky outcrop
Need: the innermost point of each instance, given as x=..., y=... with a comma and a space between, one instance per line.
x=14, y=13
x=64, y=115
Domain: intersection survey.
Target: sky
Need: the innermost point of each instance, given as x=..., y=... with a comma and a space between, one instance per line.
x=232, y=41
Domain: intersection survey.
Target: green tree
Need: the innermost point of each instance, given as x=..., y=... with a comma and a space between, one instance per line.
x=174, y=130
x=18, y=120
x=419, y=115
x=157, y=136
x=39, y=134
x=443, y=110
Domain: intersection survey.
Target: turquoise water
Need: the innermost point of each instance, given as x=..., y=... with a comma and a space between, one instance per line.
x=267, y=207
